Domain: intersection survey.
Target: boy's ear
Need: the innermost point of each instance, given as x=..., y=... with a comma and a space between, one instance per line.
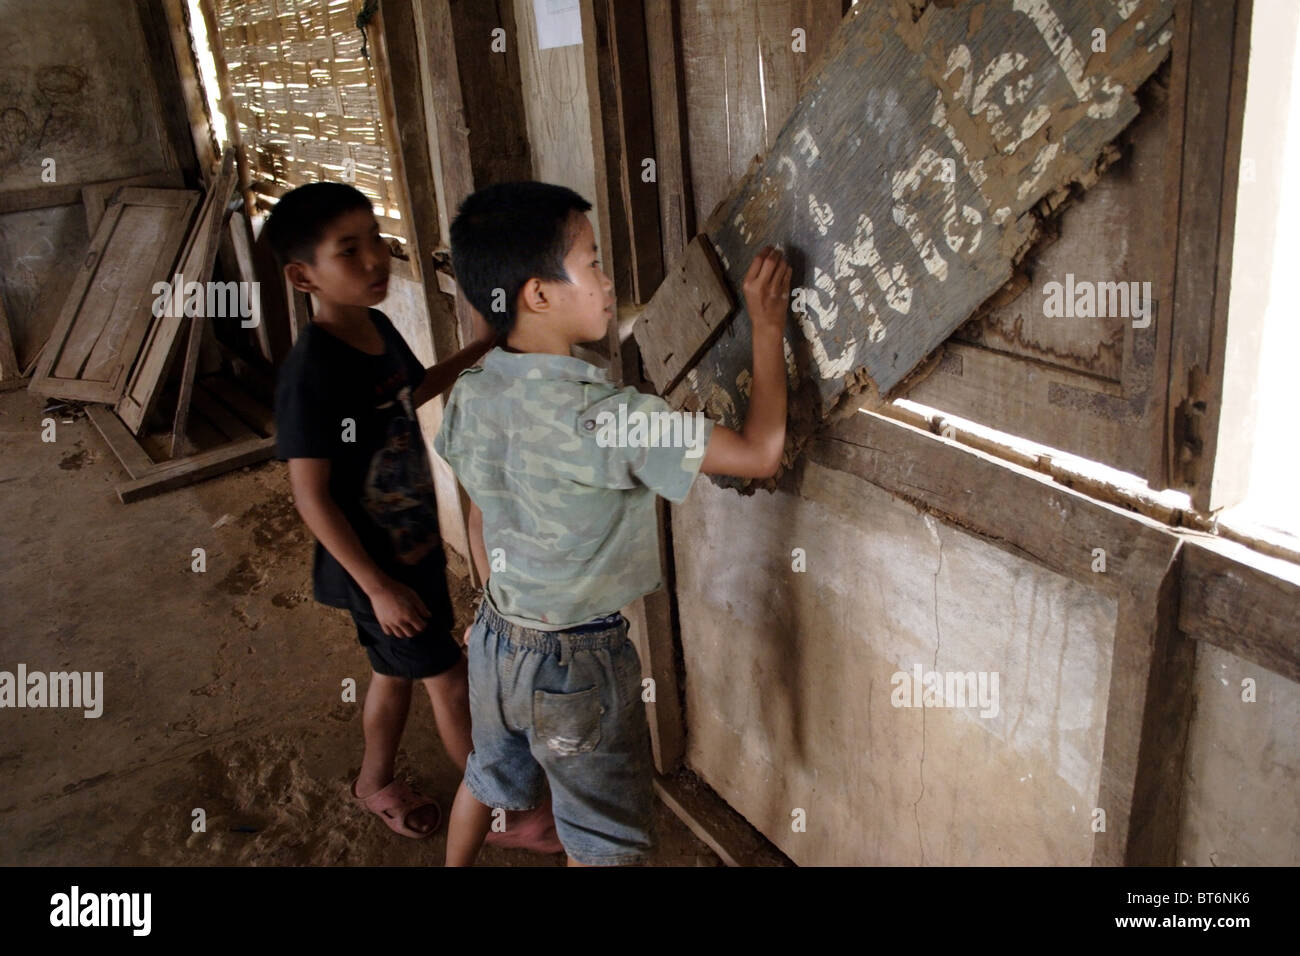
x=298, y=277
x=533, y=296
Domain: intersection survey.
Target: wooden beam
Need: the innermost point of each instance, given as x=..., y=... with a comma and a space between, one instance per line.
x=191, y=89
x=178, y=147
x=725, y=831
x=397, y=73
x=449, y=132
x=1148, y=715
x=236, y=257
x=227, y=100
x=663, y=26
x=632, y=113
x=210, y=240
x=1208, y=93
x=1244, y=602
x=602, y=100
x=129, y=452
x=492, y=91
x=651, y=629
x=39, y=197
x=188, y=471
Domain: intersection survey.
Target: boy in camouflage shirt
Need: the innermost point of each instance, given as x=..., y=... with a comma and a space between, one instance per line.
x=563, y=525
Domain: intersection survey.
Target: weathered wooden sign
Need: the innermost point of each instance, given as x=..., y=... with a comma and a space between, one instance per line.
x=911, y=177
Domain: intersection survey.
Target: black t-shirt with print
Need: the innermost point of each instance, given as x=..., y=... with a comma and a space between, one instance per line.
x=334, y=401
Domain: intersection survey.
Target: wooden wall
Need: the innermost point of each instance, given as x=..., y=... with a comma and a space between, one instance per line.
x=742, y=79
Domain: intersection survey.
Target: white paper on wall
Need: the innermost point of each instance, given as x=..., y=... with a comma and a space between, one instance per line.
x=559, y=23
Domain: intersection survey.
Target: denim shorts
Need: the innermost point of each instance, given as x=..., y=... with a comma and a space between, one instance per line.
x=564, y=707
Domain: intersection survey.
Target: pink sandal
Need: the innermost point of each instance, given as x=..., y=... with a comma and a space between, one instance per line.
x=393, y=804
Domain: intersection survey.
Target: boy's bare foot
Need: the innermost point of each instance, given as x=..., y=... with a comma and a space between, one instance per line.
x=404, y=810
x=528, y=830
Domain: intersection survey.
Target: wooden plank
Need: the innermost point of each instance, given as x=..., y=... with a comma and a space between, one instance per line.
x=651, y=629
x=893, y=255
x=689, y=310
x=95, y=196
x=676, y=215
x=606, y=145
x=726, y=832
x=1213, y=102
x=1244, y=602
x=166, y=90
x=188, y=471
x=39, y=197
x=177, y=16
x=1148, y=711
x=633, y=114
x=134, y=458
x=1023, y=511
x=495, y=124
x=720, y=74
x=107, y=312
x=449, y=150
x=397, y=72
x=227, y=102
x=207, y=243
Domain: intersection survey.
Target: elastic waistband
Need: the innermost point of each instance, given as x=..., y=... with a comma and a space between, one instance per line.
x=604, y=632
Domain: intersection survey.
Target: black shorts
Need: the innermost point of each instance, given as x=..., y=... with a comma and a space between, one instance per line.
x=427, y=654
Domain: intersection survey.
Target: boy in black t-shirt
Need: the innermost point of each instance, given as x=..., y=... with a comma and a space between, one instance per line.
x=345, y=419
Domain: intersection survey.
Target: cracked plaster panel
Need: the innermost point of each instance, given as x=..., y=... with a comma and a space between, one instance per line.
x=788, y=679
x=1241, y=782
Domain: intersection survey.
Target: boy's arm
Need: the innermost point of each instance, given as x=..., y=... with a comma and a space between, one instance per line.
x=755, y=451
x=442, y=376
x=398, y=608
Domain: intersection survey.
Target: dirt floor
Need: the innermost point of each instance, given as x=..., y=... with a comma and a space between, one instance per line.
x=222, y=690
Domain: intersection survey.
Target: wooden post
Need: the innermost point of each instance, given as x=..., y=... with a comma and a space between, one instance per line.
x=166, y=79
x=191, y=89
x=675, y=208
x=222, y=187
x=228, y=106
x=397, y=73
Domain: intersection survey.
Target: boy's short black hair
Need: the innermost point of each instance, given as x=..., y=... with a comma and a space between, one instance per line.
x=299, y=220
x=506, y=234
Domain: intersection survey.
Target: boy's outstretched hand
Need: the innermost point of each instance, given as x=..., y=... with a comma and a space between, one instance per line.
x=767, y=289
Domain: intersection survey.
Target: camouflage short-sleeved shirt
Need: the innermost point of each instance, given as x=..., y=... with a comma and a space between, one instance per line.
x=565, y=467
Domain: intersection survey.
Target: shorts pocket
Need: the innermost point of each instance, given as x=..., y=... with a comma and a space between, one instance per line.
x=567, y=723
